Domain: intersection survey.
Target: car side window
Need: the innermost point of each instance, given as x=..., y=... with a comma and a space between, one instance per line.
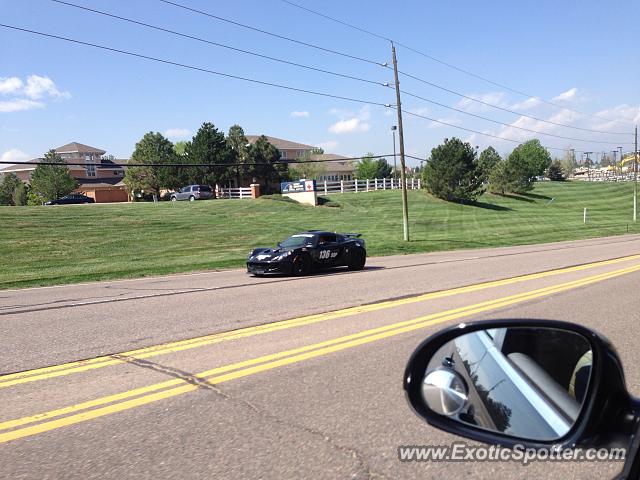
x=328, y=238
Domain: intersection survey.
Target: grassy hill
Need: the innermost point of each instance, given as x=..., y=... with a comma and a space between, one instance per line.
x=53, y=245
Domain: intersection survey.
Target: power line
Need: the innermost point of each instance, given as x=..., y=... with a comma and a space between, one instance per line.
x=341, y=75
x=275, y=35
x=479, y=132
x=498, y=107
x=508, y=124
x=449, y=65
x=369, y=61
x=346, y=24
x=217, y=44
x=513, y=90
x=359, y=78
x=192, y=67
x=251, y=80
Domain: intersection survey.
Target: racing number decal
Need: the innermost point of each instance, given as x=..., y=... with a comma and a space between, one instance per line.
x=324, y=254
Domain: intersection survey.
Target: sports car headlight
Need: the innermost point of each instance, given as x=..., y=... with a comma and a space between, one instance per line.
x=284, y=255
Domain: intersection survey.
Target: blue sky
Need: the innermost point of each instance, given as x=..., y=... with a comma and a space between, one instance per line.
x=580, y=53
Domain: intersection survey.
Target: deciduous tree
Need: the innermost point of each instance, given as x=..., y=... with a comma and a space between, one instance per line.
x=368, y=167
x=307, y=168
x=152, y=149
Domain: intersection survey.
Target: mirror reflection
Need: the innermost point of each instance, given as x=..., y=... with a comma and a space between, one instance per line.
x=522, y=381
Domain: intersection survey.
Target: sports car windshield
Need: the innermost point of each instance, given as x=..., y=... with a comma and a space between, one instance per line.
x=297, y=241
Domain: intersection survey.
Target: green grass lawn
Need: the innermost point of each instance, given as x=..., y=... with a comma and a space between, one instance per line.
x=54, y=245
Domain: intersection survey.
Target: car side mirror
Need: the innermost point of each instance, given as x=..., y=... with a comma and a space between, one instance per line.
x=534, y=383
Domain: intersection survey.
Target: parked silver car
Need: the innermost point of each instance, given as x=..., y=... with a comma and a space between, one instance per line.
x=193, y=192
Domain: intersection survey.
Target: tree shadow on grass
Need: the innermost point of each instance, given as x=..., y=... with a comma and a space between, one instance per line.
x=490, y=206
x=536, y=195
x=521, y=197
x=485, y=205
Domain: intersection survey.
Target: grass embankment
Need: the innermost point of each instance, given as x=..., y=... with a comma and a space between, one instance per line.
x=55, y=245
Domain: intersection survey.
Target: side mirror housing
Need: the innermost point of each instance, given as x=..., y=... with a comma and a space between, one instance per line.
x=535, y=383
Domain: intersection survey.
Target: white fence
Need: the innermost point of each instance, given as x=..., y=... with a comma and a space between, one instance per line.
x=369, y=185
x=241, y=192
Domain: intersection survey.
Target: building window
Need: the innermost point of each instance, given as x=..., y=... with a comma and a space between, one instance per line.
x=90, y=167
x=329, y=178
x=283, y=154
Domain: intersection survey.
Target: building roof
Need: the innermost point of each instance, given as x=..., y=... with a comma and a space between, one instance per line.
x=100, y=182
x=105, y=163
x=75, y=147
x=280, y=144
x=335, y=166
x=21, y=167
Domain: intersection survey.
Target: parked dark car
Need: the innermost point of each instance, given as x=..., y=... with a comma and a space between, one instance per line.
x=72, y=199
x=193, y=192
x=311, y=250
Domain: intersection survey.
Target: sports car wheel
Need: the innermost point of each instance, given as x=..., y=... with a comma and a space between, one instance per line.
x=358, y=259
x=301, y=266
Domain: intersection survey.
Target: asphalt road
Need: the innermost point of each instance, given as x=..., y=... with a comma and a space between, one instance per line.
x=221, y=375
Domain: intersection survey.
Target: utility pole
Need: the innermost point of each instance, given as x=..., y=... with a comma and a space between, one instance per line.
x=635, y=179
x=395, y=166
x=403, y=181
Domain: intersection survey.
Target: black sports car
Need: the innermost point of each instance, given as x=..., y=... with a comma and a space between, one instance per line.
x=306, y=251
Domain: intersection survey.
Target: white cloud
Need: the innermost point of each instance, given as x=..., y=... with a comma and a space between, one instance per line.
x=421, y=110
x=177, y=133
x=526, y=104
x=29, y=95
x=38, y=87
x=351, y=122
x=349, y=126
x=328, y=145
x=620, y=113
x=19, y=105
x=10, y=85
x=568, y=95
x=493, y=98
x=13, y=155
x=300, y=114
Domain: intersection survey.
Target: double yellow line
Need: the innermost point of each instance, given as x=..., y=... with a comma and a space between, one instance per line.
x=22, y=427
x=161, y=349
